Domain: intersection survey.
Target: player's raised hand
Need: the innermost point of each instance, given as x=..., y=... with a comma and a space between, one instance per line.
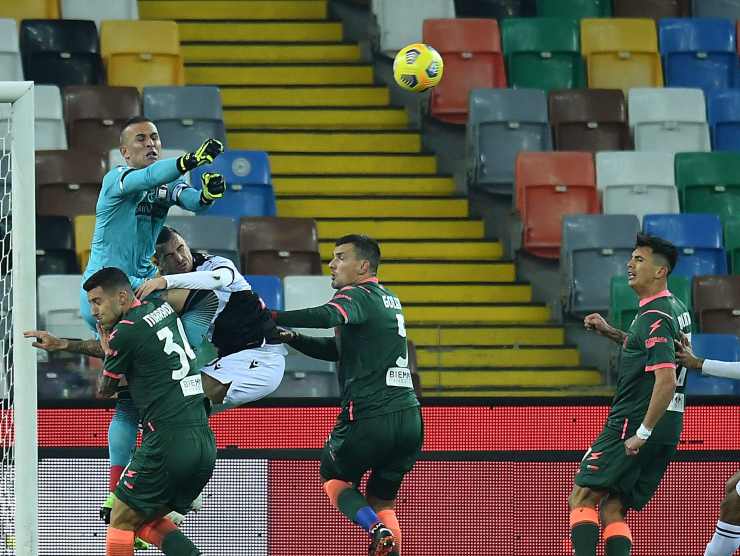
x=151, y=285
x=104, y=339
x=685, y=356
x=205, y=154
x=214, y=187
x=597, y=323
x=46, y=341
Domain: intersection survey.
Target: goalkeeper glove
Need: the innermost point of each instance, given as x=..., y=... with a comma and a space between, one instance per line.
x=205, y=154
x=214, y=187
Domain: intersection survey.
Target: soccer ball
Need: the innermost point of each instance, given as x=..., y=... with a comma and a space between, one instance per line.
x=417, y=67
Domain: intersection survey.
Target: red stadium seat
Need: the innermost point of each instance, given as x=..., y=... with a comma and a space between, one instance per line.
x=717, y=304
x=550, y=185
x=68, y=182
x=471, y=49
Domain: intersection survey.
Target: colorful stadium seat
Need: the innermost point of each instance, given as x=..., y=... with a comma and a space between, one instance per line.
x=30, y=9
x=68, y=182
x=709, y=182
x=549, y=186
x=543, y=53
x=574, y=8
x=621, y=53
x=398, y=23
x=84, y=226
x=723, y=112
x=732, y=243
x=668, y=120
x=279, y=246
x=636, y=183
x=589, y=120
x=496, y=9
x=269, y=288
x=717, y=304
x=471, y=49
x=61, y=52
x=100, y=10
x=55, y=247
x=698, y=52
x=502, y=123
x=11, y=66
x=654, y=9
x=720, y=347
x=623, y=301
x=729, y=9
x=698, y=238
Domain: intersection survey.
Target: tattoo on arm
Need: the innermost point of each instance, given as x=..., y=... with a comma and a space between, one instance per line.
x=86, y=347
x=107, y=386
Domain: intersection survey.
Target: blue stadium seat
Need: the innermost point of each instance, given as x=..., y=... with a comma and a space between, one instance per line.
x=723, y=113
x=698, y=52
x=698, y=238
x=721, y=347
x=249, y=181
x=269, y=288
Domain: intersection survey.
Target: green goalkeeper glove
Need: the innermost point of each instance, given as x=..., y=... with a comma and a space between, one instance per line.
x=214, y=187
x=205, y=154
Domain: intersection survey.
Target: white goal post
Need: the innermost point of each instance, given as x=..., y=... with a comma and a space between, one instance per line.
x=19, y=401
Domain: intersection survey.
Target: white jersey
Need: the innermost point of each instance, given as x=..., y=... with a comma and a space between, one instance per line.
x=238, y=283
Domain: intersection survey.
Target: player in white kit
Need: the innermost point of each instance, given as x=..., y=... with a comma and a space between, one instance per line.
x=251, y=361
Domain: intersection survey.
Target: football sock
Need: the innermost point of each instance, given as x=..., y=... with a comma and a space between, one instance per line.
x=725, y=541
x=119, y=542
x=155, y=531
x=177, y=544
x=584, y=531
x=617, y=539
x=389, y=519
x=351, y=503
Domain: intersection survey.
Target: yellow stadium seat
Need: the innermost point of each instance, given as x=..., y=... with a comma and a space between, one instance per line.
x=84, y=227
x=621, y=53
x=141, y=53
x=29, y=9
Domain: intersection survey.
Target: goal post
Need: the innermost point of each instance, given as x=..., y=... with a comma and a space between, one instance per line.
x=20, y=400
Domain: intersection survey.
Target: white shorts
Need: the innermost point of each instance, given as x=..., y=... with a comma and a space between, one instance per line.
x=252, y=374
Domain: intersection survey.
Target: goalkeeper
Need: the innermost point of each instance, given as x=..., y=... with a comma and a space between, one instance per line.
x=131, y=210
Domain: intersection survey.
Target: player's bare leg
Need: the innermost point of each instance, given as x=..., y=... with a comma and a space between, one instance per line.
x=387, y=514
x=616, y=533
x=726, y=539
x=584, y=519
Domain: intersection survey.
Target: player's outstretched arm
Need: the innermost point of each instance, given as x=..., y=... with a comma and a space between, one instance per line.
x=213, y=186
x=318, y=348
x=598, y=324
x=49, y=342
x=324, y=316
x=711, y=367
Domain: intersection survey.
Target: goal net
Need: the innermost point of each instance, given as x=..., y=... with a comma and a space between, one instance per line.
x=18, y=435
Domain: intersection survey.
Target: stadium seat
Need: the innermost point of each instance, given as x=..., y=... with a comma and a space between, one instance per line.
x=709, y=182
x=698, y=52
x=96, y=114
x=279, y=246
x=308, y=291
x=11, y=66
x=623, y=301
x=84, y=226
x=30, y=9
x=55, y=253
x=68, y=182
x=732, y=243
x=217, y=235
x=668, y=120
x=723, y=112
x=621, y=53
x=249, y=182
x=589, y=120
x=720, y=347
x=654, y=9
x=100, y=10
x=49, y=132
x=549, y=186
x=141, y=53
x=729, y=9
x=636, y=183
x=269, y=288
x=397, y=24
x=59, y=306
x=574, y=8
x=543, y=53
x=471, y=49
x=698, y=238
x=717, y=304
x=495, y=9
x=306, y=377
x=502, y=123
x=185, y=116
x=594, y=248
x=61, y=52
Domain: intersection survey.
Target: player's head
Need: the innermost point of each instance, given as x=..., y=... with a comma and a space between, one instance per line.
x=172, y=254
x=109, y=294
x=140, y=144
x=653, y=259
x=356, y=258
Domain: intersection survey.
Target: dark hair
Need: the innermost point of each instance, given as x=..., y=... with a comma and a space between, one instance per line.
x=111, y=279
x=132, y=121
x=660, y=247
x=365, y=247
x=166, y=234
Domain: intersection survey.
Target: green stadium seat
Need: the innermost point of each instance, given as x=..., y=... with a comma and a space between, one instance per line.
x=732, y=243
x=709, y=182
x=543, y=53
x=623, y=303
x=574, y=8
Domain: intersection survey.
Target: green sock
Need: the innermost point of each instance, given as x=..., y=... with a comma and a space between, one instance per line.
x=177, y=544
x=618, y=546
x=350, y=501
x=585, y=536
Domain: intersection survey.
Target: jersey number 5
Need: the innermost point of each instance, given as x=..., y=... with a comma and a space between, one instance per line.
x=170, y=346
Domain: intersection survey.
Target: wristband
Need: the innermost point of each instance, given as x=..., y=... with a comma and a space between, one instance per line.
x=643, y=432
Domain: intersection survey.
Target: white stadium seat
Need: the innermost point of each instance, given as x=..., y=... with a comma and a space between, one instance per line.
x=99, y=10
x=49, y=122
x=400, y=23
x=11, y=68
x=59, y=306
x=300, y=292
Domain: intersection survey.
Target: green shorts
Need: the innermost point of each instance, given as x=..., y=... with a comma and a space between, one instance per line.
x=169, y=470
x=606, y=466
x=387, y=445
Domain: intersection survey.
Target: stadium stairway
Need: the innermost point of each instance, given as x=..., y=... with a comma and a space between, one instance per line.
x=340, y=153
